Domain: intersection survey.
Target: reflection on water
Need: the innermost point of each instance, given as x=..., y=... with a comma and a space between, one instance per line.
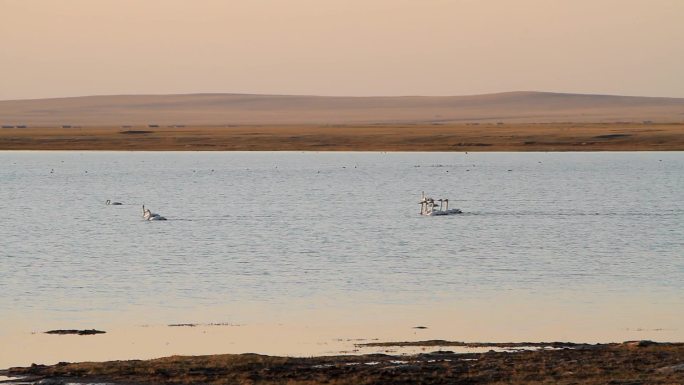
x=262, y=236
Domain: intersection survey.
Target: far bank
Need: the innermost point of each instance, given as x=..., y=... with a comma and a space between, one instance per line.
x=468, y=137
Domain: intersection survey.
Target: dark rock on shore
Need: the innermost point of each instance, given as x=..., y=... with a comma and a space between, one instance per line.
x=87, y=332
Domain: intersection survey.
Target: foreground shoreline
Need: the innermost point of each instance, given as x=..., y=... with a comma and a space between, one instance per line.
x=406, y=137
x=636, y=362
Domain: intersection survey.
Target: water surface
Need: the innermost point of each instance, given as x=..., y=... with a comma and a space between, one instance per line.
x=264, y=236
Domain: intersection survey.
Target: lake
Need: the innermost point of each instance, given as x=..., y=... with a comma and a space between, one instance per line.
x=582, y=246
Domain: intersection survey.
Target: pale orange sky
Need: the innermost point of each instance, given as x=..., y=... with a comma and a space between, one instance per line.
x=54, y=48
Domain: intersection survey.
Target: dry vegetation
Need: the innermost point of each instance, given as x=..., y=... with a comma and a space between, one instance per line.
x=628, y=363
x=512, y=121
x=420, y=137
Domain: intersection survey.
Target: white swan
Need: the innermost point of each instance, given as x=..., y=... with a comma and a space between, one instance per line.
x=109, y=202
x=150, y=216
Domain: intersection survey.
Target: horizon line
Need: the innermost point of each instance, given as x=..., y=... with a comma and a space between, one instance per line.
x=340, y=96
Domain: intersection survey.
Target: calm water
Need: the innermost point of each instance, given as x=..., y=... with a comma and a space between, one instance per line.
x=319, y=229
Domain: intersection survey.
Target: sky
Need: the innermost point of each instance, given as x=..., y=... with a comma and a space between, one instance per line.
x=59, y=48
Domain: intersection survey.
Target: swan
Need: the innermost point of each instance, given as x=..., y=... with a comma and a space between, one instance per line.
x=109, y=202
x=150, y=216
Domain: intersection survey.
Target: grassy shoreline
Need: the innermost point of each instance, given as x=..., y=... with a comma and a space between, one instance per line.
x=641, y=362
x=406, y=137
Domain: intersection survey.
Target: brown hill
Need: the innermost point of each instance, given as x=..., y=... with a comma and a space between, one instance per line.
x=240, y=109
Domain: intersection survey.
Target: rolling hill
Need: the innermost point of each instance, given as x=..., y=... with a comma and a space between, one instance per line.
x=243, y=109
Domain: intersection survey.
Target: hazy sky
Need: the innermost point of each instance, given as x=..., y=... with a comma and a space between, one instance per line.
x=55, y=48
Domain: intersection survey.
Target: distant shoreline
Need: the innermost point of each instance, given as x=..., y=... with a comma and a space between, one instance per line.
x=471, y=137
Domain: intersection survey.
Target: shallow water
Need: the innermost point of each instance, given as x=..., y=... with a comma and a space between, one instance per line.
x=261, y=236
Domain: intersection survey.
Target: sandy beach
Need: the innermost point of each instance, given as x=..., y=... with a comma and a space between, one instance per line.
x=380, y=137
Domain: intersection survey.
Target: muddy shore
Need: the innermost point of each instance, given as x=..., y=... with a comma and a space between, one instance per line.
x=633, y=363
x=406, y=137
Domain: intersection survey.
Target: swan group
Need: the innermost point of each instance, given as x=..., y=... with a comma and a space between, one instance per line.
x=428, y=207
x=150, y=216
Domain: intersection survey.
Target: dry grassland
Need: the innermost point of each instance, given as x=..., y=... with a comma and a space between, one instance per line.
x=406, y=137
